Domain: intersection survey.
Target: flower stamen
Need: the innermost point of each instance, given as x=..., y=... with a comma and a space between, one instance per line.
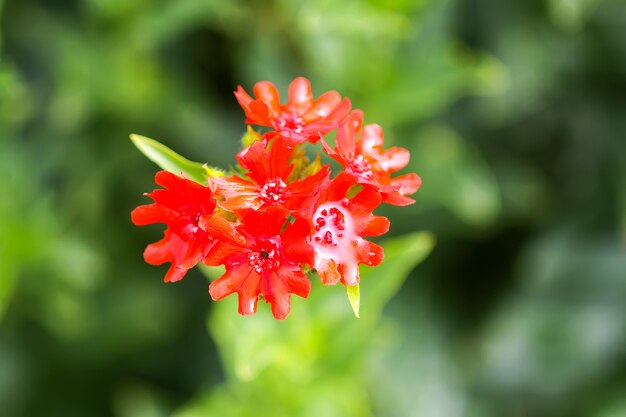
x=359, y=166
x=265, y=255
x=274, y=192
x=291, y=122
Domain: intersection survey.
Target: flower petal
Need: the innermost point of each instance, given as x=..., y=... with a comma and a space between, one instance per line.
x=181, y=193
x=265, y=222
x=346, y=135
x=242, y=280
x=394, y=159
x=338, y=187
x=370, y=253
x=243, y=98
x=248, y=292
x=267, y=92
x=294, y=242
x=396, y=199
x=259, y=114
x=237, y=193
x=222, y=253
x=400, y=187
x=341, y=111
x=175, y=273
x=323, y=106
x=279, y=158
x=297, y=282
x=281, y=285
x=331, y=152
x=365, y=201
x=374, y=226
x=306, y=191
x=169, y=249
x=408, y=183
x=277, y=295
x=329, y=274
x=162, y=251
x=152, y=213
x=300, y=94
x=372, y=138
x=221, y=229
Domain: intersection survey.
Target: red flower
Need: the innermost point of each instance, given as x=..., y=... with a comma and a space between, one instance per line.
x=340, y=224
x=302, y=118
x=261, y=260
x=365, y=158
x=181, y=205
x=269, y=184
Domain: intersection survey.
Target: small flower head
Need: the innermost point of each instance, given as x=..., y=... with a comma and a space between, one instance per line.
x=340, y=224
x=365, y=158
x=182, y=205
x=279, y=212
x=269, y=182
x=263, y=259
x=302, y=118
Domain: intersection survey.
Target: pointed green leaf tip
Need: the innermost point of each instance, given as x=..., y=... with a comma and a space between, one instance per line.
x=354, y=297
x=170, y=161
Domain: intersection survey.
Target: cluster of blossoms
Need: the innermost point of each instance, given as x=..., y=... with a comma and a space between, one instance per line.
x=281, y=215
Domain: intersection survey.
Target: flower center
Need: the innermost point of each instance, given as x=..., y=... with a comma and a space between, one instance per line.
x=274, y=192
x=330, y=224
x=264, y=255
x=192, y=217
x=360, y=167
x=335, y=241
x=291, y=122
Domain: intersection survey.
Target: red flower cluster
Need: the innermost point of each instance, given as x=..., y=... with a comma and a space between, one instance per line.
x=281, y=213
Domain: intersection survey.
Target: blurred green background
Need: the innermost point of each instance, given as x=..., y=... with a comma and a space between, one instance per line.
x=514, y=111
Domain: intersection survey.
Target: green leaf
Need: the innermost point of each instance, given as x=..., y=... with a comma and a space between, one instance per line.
x=402, y=254
x=173, y=162
x=251, y=345
x=320, y=342
x=354, y=298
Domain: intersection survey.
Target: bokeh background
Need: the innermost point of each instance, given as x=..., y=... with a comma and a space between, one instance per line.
x=515, y=114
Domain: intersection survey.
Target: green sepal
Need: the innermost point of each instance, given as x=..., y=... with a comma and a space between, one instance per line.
x=354, y=297
x=213, y=172
x=250, y=137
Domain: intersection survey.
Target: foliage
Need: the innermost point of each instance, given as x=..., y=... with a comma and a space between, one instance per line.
x=309, y=364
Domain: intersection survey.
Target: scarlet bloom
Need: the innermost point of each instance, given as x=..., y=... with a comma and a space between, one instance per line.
x=302, y=118
x=340, y=224
x=269, y=185
x=262, y=260
x=182, y=205
x=365, y=158
x=278, y=212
